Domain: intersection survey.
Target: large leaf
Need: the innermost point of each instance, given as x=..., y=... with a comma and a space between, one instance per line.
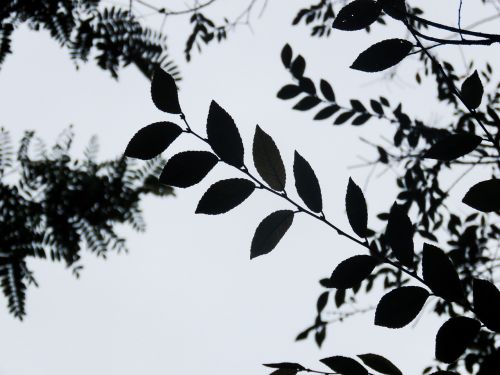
x=357, y=212
x=472, y=91
x=487, y=303
x=382, y=55
x=344, y=365
x=307, y=184
x=223, y=136
x=152, y=140
x=380, y=364
x=440, y=274
x=267, y=160
x=352, y=271
x=454, y=336
x=399, y=234
x=484, y=196
x=357, y=15
x=400, y=306
x=164, y=92
x=224, y=195
x=453, y=146
x=187, y=168
x=270, y=231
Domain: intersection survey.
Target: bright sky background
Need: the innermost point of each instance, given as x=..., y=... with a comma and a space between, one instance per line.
x=186, y=299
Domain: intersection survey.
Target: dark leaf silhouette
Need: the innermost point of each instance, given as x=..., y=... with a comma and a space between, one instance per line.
x=453, y=146
x=267, y=160
x=352, y=271
x=284, y=371
x=307, y=103
x=307, y=184
x=440, y=274
x=394, y=8
x=164, y=92
x=286, y=55
x=344, y=365
x=361, y=119
x=400, y=306
x=380, y=364
x=322, y=301
x=225, y=195
x=327, y=90
x=399, y=234
x=487, y=303
x=357, y=15
x=339, y=297
x=327, y=112
x=289, y=92
x=152, y=140
x=472, y=91
x=343, y=117
x=382, y=55
x=484, y=196
x=270, y=231
x=357, y=212
x=223, y=136
x=454, y=336
x=287, y=365
x=187, y=168
x=298, y=67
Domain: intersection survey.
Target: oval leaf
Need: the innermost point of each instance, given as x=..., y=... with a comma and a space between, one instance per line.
x=453, y=147
x=152, y=140
x=399, y=234
x=357, y=15
x=400, y=306
x=472, y=91
x=394, y=8
x=267, y=160
x=327, y=90
x=224, y=196
x=187, y=168
x=164, y=92
x=307, y=184
x=440, y=274
x=454, y=336
x=344, y=365
x=223, y=136
x=352, y=271
x=487, y=303
x=270, y=232
x=380, y=364
x=327, y=112
x=484, y=196
x=382, y=55
x=357, y=212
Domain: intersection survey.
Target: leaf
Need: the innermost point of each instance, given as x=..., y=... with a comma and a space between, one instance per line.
x=289, y=92
x=270, y=231
x=399, y=234
x=377, y=107
x=355, y=205
x=357, y=15
x=267, y=160
x=224, y=196
x=440, y=274
x=453, y=146
x=454, y=336
x=298, y=67
x=327, y=90
x=339, y=297
x=380, y=364
x=344, y=365
x=343, y=117
x=164, y=92
x=352, y=271
x=484, y=196
x=187, y=168
x=322, y=301
x=487, y=303
x=361, y=119
x=284, y=371
x=394, y=8
x=307, y=103
x=382, y=55
x=288, y=365
x=472, y=91
x=400, y=306
x=307, y=184
x=152, y=140
x=327, y=112
x=223, y=136
x=286, y=55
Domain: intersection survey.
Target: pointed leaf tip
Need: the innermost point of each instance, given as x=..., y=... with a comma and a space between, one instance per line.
x=187, y=168
x=344, y=365
x=357, y=212
x=270, y=232
x=380, y=364
x=152, y=140
x=225, y=195
x=472, y=91
x=164, y=92
x=307, y=184
x=454, y=336
x=357, y=15
x=267, y=160
x=382, y=55
x=484, y=196
x=400, y=306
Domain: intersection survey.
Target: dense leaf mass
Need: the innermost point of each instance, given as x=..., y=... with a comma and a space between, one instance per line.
x=454, y=336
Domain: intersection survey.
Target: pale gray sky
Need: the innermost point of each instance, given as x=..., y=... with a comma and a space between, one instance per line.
x=187, y=299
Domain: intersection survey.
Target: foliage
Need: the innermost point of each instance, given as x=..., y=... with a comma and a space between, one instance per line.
x=53, y=206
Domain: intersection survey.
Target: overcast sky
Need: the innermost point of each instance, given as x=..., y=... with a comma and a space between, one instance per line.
x=186, y=299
